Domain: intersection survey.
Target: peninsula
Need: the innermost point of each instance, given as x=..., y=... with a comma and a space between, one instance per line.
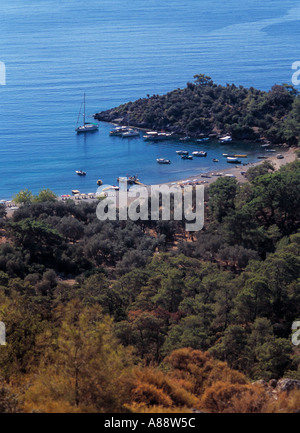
x=204, y=108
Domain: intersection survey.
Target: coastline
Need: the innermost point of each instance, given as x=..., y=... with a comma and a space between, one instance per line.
x=205, y=179
x=289, y=156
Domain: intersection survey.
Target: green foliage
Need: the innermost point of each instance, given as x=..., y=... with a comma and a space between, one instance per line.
x=45, y=195
x=205, y=107
x=84, y=300
x=23, y=197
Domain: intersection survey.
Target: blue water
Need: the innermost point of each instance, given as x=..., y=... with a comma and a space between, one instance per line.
x=117, y=51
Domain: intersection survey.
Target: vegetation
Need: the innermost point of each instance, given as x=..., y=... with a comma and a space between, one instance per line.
x=118, y=316
x=204, y=107
x=25, y=196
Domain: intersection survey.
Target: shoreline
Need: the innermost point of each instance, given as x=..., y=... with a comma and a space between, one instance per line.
x=205, y=179
x=235, y=170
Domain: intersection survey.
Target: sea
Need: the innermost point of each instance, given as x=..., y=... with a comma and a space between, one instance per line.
x=115, y=51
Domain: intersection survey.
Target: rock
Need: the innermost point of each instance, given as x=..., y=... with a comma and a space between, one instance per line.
x=287, y=385
x=273, y=383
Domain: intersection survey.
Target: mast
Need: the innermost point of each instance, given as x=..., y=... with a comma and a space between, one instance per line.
x=84, y=108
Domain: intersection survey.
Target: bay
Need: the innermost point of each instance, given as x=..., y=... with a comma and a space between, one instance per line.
x=117, y=51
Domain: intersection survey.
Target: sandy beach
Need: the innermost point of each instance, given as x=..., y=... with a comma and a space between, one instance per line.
x=236, y=170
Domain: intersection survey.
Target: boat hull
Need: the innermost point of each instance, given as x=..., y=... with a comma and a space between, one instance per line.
x=86, y=128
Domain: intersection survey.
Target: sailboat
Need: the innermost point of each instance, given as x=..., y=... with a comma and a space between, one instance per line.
x=130, y=132
x=87, y=126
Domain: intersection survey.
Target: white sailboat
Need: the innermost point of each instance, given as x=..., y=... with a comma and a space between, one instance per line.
x=87, y=126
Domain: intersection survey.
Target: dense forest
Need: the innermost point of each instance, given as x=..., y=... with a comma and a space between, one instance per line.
x=121, y=316
x=204, y=108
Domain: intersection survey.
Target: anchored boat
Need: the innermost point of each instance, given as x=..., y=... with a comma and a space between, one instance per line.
x=199, y=153
x=225, y=139
x=163, y=161
x=87, y=126
x=233, y=160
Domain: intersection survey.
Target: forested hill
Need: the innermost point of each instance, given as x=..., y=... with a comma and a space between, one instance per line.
x=204, y=107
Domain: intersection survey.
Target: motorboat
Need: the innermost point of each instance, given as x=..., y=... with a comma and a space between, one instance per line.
x=119, y=130
x=111, y=187
x=156, y=136
x=129, y=179
x=185, y=139
x=199, y=153
x=130, y=133
x=202, y=139
x=99, y=182
x=182, y=152
x=186, y=157
x=80, y=173
x=87, y=126
x=225, y=139
x=163, y=161
x=233, y=160
x=215, y=160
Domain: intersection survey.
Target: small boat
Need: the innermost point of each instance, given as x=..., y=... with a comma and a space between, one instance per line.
x=186, y=139
x=119, y=130
x=202, y=139
x=130, y=133
x=186, y=157
x=270, y=150
x=108, y=188
x=182, y=152
x=229, y=155
x=241, y=156
x=150, y=135
x=99, y=182
x=265, y=145
x=199, y=153
x=163, y=161
x=80, y=173
x=87, y=126
x=129, y=179
x=156, y=136
x=225, y=139
x=215, y=160
x=262, y=157
x=233, y=160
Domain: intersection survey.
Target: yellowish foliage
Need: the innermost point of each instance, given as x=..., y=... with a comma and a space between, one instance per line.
x=155, y=388
x=224, y=397
x=285, y=403
x=201, y=369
